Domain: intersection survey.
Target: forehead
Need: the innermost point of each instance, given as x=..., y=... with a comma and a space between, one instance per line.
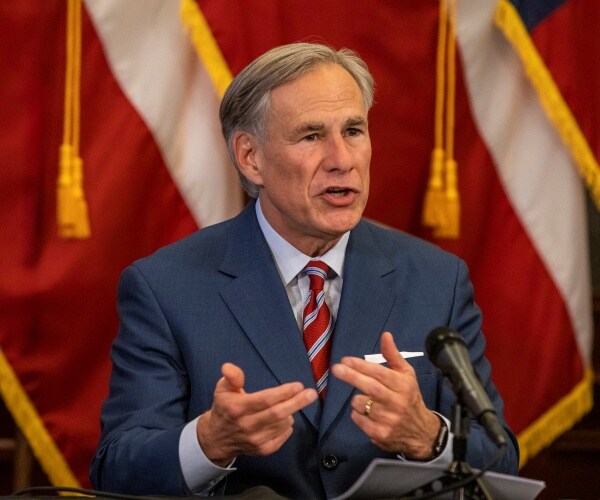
x=326, y=87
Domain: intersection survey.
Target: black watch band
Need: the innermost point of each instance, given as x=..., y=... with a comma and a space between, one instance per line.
x=442, y=438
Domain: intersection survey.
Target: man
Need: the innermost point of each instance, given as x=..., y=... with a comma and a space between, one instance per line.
x=212, y=390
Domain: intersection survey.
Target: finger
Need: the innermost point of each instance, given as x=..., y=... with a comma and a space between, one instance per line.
x=371, y=378
x=391, y=354
x=363, y=405
x=279, y=402
x=370, y=413
x=233, y=378
x=286, y=399
x=257, y=427
x=233, y=381
x=368, y=378
x=367, y=423
x=264, y=446
x=264, y=440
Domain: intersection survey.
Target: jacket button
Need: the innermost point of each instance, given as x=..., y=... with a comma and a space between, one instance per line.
x=330, y=462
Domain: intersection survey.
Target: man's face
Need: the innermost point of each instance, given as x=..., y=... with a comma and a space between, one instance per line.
x=313, y=165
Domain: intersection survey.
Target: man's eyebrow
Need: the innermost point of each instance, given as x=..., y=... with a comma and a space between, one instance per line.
x=357, y=121
x=309, y=127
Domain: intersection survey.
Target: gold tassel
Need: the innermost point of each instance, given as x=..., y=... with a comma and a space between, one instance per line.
x=433, y=206
x=433, y=209
x=441, y=208
x=450, y=227
x=71, y=205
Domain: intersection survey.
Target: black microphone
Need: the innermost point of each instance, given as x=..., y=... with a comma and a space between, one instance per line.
x=448, y=351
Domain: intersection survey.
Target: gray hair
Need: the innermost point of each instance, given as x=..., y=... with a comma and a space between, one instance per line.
x=245, y=103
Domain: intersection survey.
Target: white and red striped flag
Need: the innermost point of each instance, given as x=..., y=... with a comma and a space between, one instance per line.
x=154, y=170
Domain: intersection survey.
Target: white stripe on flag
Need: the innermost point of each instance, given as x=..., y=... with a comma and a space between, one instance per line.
x=533, y=165
x=158, y=70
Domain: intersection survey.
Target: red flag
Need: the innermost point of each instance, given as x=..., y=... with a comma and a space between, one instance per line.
x=57, y=296
x=538, y=170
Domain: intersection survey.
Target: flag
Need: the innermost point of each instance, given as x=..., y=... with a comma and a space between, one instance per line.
x=155, y=169
x=538, y=147
x=557, y=44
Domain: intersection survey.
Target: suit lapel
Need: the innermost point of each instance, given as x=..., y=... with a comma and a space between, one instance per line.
x=366, y=302
x=258, y=300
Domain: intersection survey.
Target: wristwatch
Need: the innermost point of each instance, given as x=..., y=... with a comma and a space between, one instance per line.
x=442, y=438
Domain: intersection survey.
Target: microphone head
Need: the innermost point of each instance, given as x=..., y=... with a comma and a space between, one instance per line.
x=438, y=338
x=447, y=350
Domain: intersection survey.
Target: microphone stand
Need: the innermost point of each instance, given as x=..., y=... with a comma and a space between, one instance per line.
x=459, y=470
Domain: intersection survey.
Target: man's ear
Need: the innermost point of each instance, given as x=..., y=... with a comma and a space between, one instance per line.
x=245, y=148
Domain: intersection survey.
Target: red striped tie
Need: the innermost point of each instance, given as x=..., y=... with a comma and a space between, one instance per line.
x=317, y=325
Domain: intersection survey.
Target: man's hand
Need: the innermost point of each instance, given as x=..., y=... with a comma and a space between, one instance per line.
x=398, y=420
x=249, y=423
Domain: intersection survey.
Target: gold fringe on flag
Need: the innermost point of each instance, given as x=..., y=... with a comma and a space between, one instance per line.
x=71, y=205
x=27, y=418
x=510, y=23
x=441, y=207
x=206, y=46
x=558, y=419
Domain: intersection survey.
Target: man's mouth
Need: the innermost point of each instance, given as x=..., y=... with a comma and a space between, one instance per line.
x=338, y=192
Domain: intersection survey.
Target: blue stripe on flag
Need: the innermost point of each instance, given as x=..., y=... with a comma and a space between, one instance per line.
x=533, y=12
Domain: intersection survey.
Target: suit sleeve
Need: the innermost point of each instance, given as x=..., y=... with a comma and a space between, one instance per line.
x=466, y=319
x=146, y=409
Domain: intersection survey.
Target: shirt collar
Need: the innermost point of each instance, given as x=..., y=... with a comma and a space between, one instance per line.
x=290, y=261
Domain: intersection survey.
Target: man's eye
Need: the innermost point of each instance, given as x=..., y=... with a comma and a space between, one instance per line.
x=354, y=131
x=311, y=137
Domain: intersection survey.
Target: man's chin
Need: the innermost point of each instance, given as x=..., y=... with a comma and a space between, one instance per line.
x=338, y=225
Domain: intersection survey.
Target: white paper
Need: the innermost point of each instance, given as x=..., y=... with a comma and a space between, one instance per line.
x=387, y=478
x=378, y=358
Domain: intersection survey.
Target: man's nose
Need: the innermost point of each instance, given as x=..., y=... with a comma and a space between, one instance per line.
x=338, y=154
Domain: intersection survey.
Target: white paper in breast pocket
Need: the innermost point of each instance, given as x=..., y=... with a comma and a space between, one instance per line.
x=379, y=359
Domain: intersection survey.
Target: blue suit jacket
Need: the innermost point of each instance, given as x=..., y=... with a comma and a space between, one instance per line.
x=216, y=296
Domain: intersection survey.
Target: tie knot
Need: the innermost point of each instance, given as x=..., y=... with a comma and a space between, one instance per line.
x=317, y=273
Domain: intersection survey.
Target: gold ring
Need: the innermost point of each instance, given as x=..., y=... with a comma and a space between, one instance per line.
x=368, y=407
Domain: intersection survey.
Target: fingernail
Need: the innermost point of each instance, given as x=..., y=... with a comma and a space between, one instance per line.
x=339, y=369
